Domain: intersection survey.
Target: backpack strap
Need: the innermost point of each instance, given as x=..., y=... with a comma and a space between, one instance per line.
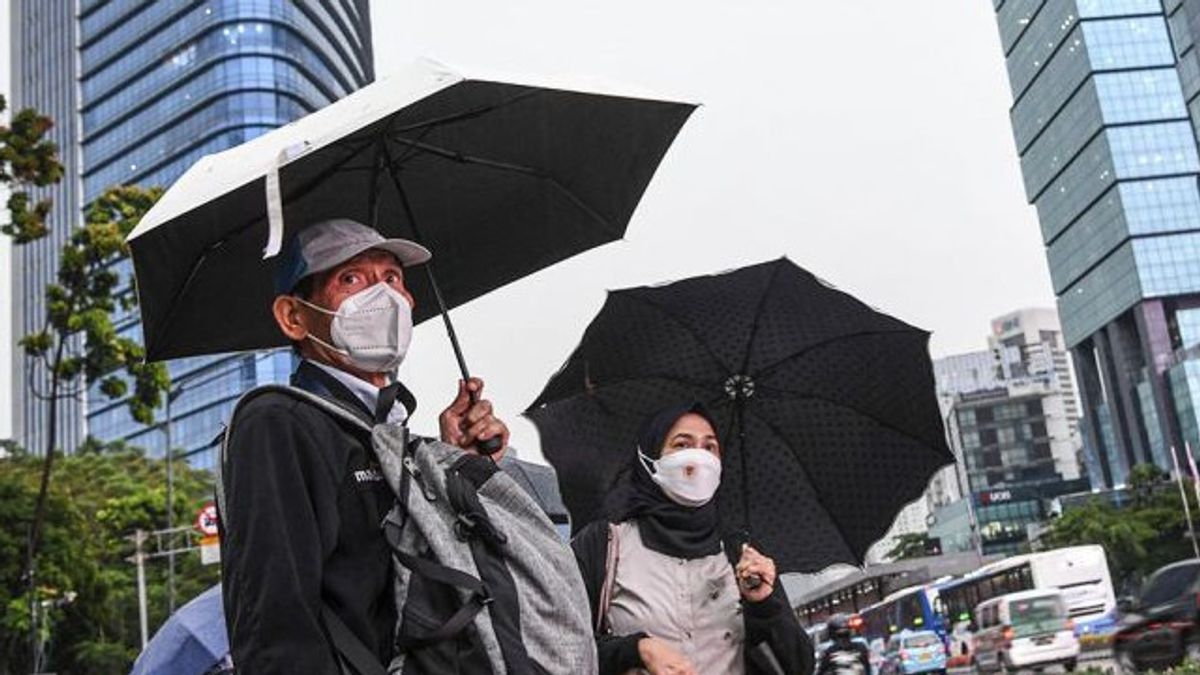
x=478, y=599
x=351, y=650
x=611, y=557
x=336, y=410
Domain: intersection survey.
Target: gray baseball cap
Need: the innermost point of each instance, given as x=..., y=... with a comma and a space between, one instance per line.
x=329, y=243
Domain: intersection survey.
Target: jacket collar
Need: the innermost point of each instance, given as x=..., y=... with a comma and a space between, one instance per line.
x=315, y=380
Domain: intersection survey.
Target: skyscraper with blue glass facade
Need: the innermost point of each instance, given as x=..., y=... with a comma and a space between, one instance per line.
x=161, y=84
x=1105, y=116
x=43, y=42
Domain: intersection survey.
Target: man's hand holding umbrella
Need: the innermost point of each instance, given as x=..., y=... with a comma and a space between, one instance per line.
x=464, y=423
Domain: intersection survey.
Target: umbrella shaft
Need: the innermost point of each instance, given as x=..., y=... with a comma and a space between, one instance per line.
x=491, y=445
x=458, y=353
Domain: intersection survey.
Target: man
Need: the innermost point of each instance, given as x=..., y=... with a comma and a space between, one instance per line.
x=844, y=654
x=304, y=492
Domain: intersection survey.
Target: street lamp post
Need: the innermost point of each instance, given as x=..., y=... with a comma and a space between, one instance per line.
x=178, y=388
x=170, y=454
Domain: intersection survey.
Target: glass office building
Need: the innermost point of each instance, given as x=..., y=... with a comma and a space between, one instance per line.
x=163, y=83
x=43, y=41
x=1104, y=117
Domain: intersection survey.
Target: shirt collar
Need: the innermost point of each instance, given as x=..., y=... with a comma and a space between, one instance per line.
x=365, y=391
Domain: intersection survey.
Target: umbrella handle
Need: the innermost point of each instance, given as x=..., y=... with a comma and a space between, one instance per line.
x=752, y=582
x=491, y=446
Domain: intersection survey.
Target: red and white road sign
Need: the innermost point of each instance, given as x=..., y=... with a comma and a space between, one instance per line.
x=206, y=520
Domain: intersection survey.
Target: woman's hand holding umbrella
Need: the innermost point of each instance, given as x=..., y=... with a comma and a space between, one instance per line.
x=755, y=574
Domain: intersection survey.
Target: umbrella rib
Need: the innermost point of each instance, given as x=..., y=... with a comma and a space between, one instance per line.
x=771, y=368
x=662, y=310
x=470, y=113
x=329, y=170
x=803, y=470
x=635, y=378
x=758, y=314
x=451, y=155
x=794, y=396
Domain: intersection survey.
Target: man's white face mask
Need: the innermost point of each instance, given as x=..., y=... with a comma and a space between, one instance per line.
x=687, y=477
x=371, y=328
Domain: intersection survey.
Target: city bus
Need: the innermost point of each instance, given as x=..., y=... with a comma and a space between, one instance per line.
x=912, y=608
x=1079, y=572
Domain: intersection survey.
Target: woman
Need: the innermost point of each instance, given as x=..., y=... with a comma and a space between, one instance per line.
x=667, y=595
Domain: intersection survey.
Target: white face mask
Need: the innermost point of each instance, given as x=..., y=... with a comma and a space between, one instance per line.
x=371, y=328
x=687, y=477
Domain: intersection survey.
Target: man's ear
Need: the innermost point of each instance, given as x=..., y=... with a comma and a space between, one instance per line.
x=289, y=317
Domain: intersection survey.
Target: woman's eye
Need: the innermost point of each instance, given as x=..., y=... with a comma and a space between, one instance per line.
x=349, y=279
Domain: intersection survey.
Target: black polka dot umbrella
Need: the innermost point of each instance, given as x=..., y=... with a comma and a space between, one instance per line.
x=827, y=411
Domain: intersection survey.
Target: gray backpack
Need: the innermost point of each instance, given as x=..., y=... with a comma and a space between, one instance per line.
x=484, y=582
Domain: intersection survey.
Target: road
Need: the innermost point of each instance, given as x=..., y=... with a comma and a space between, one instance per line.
x=1099, y=660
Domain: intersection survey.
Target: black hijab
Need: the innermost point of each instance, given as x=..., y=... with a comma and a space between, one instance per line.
x=666, y=527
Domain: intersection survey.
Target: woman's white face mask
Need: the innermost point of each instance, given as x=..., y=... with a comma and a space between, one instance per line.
x=688, y=477
x=371, y=328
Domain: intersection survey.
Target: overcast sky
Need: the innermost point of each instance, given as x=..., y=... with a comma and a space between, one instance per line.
x=867, y=140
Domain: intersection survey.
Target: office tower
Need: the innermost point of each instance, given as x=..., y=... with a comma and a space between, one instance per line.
x=1012, y=421
x=42, y=55
x=161, y=84
x=1107, y=145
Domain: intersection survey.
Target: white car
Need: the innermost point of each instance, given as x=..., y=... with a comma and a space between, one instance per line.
x=1029, y=629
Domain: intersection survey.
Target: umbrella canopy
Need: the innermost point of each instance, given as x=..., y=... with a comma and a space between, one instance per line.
x=191, y=642
x=827, y=408
x=499, y=179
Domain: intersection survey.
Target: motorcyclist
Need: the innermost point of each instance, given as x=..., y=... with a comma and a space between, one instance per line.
x=844, y=656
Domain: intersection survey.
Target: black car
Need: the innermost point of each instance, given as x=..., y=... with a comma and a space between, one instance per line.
x=1162, y=626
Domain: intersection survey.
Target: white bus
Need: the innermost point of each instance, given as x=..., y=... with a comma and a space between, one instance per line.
x=1079, y=572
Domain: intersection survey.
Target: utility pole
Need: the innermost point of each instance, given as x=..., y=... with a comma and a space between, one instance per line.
x=1187, y=510
x=170, y=502
x=139, y=558
x=164, y=547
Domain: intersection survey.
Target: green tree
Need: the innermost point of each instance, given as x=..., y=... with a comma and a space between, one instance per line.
x=908, y=546
x=102, y=494
x=27, y=159
x=1149, y=532
x=77, y=343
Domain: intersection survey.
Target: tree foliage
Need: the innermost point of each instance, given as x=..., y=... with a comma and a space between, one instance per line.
x=101, y=495
x=77, y=343
x=909, y=546
x=27, y=159
x=1147, y=533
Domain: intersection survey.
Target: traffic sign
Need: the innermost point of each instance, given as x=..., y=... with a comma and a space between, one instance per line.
x=206, y=520
x=210, y=550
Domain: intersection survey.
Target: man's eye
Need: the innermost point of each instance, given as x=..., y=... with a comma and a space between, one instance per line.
x=349, y=278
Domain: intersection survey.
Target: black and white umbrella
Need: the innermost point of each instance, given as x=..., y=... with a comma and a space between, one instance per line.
x=499, y=178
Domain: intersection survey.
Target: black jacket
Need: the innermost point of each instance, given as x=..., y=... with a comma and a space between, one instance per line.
x=770, y=621
x=305, y=500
